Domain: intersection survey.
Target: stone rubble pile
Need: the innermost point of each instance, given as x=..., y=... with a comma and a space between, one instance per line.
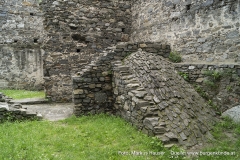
x=152, y=96
x=14, y=111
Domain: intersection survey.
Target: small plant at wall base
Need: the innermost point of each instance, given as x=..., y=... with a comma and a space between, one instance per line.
x=127, y=54
x=213, y=75
x=201, y=92
x=210, y=84
x=229, y=88
x=175, y=57
x=184, y=75
x=215, y=107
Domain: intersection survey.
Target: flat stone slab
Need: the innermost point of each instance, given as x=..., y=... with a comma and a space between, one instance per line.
x=52, y=111
x=233, y=113
x=30, y=101
x=4, y=106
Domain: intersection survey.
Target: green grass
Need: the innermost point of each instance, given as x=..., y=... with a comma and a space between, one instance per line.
x=99, y=137
x=226, y=139
x=21, y=94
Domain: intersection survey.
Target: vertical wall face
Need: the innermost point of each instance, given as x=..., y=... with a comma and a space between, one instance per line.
x=78, y=30
x=201, y=30
x=21, y=35
x=20, y=68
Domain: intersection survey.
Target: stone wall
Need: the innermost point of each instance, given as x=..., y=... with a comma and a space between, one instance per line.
x=20, y=53
x=93, y=92
x=202, y=31
x=152, y=96
x=144, y=89
x=21, y=68
x=10, y=111
x=218, y=84
x=78, y=31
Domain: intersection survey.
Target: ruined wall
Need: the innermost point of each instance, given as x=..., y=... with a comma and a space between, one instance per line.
x=10, y=111
x=152, y=96
x=20, y=53
x=218, y=84
x=78, y=31
x=146, y=90
x=92, y=86
x=203, y=30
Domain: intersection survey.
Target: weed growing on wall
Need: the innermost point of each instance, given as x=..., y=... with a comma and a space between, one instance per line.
x=213, y=76
x=201, y=92
x=175, y=57
x=184, y=75
x=229, y=88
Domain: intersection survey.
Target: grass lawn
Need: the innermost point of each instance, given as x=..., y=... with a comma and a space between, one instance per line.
x=99, y=137
x=226, y=139
x=21, y=94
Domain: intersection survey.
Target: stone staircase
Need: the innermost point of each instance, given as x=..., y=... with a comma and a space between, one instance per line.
x=159, y=102
x=143, y=112
x=147, y=92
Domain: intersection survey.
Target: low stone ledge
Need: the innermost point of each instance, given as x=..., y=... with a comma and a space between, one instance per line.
x=12, y=111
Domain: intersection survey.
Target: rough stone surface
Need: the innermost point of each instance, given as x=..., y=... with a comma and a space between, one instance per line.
x=233, y=113
x=203, y=31
x=78, y=32
x=175, y=110
x=14, y=111
x=4, y=106
x=146, y=91
x=92, y=86
x=225, y=93
x=52, y=111
x=22, y=34
x=85, y=61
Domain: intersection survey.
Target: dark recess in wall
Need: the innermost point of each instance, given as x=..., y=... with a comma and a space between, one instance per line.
x=78, y=37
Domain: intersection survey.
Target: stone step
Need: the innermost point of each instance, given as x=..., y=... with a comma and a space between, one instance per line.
x=164, y=139
x=133, y=85
x=131, y=81
x=169, y=146
x=128, y=77
x=125, y=74
x=30, y=113
x=139, y=94
x=30, y=101
x=4, y=106
x=123, y=68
